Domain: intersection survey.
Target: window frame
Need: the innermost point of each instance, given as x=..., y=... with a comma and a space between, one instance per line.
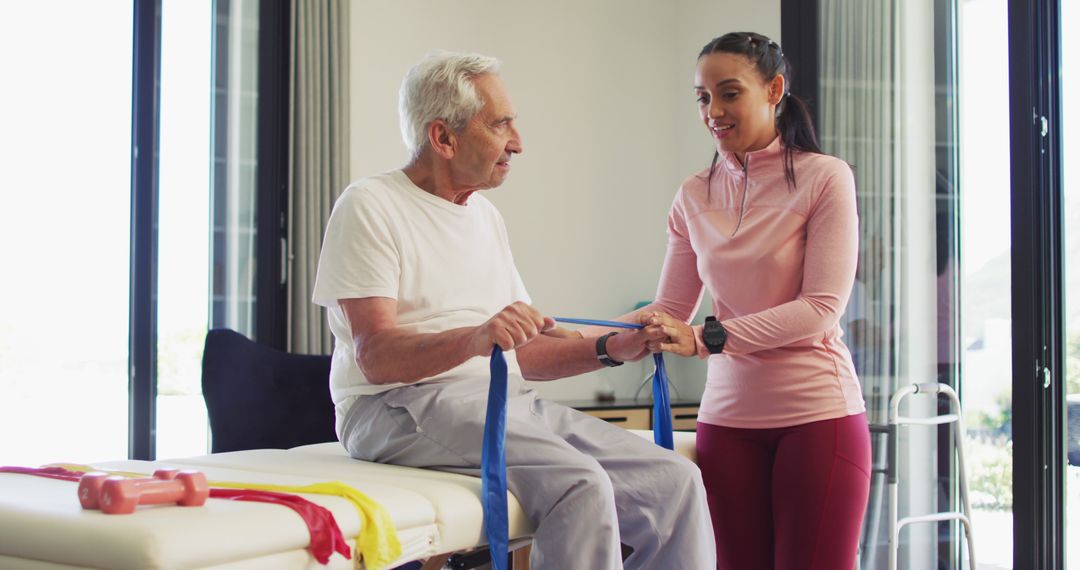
x=1037, y=285
x=142, y=325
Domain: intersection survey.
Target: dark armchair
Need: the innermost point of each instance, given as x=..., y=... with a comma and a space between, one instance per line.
x=258, y=397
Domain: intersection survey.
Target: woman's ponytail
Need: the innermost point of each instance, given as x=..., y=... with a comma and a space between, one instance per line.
x=796, y=129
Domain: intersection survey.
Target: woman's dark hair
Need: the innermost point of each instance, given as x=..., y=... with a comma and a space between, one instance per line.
x=792, y=115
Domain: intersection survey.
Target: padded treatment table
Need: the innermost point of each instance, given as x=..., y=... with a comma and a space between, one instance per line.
x=42, y=525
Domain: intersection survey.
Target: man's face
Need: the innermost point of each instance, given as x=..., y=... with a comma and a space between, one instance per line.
x=482, y=156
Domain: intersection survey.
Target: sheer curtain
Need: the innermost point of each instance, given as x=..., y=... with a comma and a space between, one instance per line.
x=318, y=155
x=857, y=114
x=235, y=163
x=879, y=111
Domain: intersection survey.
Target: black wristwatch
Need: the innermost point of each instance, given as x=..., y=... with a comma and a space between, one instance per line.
x=601, y=351
x=714, y=335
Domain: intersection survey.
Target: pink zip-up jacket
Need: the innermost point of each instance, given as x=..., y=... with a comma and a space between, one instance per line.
x=779, y=262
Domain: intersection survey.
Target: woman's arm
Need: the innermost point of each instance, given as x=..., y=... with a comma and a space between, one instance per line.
x=832, y=252
x=829, y=263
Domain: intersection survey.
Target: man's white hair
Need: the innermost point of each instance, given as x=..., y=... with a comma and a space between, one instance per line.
x=440, y=87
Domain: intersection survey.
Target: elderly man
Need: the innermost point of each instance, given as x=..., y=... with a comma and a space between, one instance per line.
x=417, y=275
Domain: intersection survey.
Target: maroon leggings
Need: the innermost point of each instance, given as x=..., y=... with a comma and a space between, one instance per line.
x=790, y=497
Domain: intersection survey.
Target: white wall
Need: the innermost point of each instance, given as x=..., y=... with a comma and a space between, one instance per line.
x=610, y=129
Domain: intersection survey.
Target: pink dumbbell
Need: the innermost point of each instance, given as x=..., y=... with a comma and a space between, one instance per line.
x=90, y=488
x=90, y=485
x=185, y=488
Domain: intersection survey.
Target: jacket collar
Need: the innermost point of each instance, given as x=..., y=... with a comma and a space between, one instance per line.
x=731, y=163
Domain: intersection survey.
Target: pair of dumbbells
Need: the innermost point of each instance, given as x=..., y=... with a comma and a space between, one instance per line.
x=120, y=495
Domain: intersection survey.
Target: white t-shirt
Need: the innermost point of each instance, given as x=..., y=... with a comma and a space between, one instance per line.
x=447, y=265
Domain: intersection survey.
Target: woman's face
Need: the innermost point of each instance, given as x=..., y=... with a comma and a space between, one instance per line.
x=737, y=105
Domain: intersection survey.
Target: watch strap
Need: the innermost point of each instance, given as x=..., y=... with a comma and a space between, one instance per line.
x=601, y=351
x=699, y=342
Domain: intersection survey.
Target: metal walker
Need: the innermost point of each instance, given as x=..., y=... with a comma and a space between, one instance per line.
x=895, y=421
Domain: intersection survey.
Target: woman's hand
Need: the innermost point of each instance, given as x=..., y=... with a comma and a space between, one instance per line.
x=675, y=336
x=632, y=345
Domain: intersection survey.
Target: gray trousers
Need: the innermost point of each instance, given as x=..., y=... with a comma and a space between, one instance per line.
x=587, y=485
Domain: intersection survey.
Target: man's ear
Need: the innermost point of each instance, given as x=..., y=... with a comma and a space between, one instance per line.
x=776, y=89
x=441, y=138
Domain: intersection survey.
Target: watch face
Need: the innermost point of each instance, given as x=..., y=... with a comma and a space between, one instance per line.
x=714, y=336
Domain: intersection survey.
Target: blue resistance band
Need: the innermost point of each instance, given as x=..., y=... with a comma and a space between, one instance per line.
x=493, y=464
x=493, y=454
x=662, y=428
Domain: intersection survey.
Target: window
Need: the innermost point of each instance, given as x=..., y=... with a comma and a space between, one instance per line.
x=101, y=330
x=65, y=227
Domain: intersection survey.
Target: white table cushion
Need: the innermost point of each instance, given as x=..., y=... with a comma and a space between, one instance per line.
x=43, y=526
x=41, y=519
x=454, y=498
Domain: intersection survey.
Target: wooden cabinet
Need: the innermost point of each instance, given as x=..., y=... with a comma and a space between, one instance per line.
x=629, y=418
x=637, y=414
x=684, y=417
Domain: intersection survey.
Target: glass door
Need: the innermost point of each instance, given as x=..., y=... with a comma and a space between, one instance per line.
x=207, y=213
x=909, y=105
x=888, y=106
x=985, y=247
x=183, y=225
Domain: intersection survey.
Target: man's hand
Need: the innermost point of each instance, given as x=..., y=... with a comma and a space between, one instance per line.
x=672, y=335
x=514, y=326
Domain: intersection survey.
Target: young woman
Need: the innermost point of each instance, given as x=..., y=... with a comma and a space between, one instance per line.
x=771, y=229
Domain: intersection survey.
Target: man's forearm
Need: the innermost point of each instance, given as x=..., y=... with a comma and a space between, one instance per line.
x=548, y=358
x=395, y=356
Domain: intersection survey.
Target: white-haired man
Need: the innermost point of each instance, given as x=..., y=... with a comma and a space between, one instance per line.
x=417, y=275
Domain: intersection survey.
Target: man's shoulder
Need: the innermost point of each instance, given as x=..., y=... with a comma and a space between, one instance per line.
x=383, y=185
x=380, y=196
